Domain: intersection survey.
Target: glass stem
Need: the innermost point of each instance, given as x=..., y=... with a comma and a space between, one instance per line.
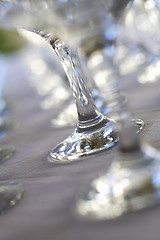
x=88, y=114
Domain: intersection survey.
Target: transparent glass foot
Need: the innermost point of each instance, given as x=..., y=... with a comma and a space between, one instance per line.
x=130, y=185
x=86, y=142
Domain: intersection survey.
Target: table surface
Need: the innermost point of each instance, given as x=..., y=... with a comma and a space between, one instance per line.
x=46, y=210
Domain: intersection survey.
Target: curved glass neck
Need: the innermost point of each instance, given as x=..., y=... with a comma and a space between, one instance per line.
x=88, y=114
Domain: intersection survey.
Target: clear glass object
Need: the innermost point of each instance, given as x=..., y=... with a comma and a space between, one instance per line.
x=131, y=183
x=90, y=42
x=69, y=59
x=68, y=116
x=95, y=132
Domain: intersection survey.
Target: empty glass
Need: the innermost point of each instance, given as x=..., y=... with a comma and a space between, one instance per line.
x=92, y=27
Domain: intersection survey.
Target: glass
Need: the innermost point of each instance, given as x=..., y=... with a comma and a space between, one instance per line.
x=95, y=132
x=133, y=181
x=68, y=116
x=72, y=27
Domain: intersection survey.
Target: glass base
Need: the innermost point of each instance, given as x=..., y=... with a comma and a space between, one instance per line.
x=131, y=184
x=84, y=143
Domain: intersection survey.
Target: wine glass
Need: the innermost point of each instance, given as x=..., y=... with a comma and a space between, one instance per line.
x=132, y=181
x=94, y=132
x=104, y=102
x=78, y=34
